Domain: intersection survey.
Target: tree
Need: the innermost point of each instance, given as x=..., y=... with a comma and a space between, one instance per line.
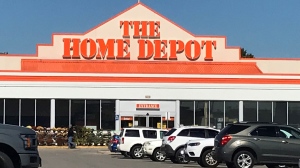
x=244, y=54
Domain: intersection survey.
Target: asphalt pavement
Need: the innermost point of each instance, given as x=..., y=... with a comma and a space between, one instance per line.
x=98, y=158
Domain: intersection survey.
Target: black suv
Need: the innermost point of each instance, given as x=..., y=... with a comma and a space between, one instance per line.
x=245, y=144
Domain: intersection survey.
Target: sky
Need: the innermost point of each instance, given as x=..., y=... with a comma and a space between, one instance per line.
x=265, y=28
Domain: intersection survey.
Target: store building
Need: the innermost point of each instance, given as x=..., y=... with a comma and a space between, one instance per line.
x=140, y=68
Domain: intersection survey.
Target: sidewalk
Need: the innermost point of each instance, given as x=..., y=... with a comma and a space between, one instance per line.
x=78, y=147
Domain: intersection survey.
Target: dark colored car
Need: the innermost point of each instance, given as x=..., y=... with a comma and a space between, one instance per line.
x=113, y=144
x=245, y=144
x=19, y=147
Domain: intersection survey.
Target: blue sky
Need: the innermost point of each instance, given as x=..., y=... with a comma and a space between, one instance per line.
x=265, y=28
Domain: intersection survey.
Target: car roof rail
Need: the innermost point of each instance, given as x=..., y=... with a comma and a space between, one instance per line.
x=254, y=122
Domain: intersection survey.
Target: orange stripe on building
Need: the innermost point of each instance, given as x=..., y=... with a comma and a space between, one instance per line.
x=150, y=67
x=148, y=80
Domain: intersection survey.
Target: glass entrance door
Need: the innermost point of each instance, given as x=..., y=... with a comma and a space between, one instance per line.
x=140, y=121
x=153, y=121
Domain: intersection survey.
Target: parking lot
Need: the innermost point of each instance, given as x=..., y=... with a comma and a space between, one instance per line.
x=95, y=158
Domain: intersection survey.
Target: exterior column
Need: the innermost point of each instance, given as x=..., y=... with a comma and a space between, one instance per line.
x=241, y=110
x=177, y=114
x=117, y=117
x=52, y=113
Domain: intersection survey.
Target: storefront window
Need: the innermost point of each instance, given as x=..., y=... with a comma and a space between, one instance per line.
x=27, y=112
x=93, y=113
x=62, y=113
x=294, y=114
x=280, y=112
x=201, y=113
x=250, y=111
x=108, y=114
x=217, y=114
x=231, y=111
x=187, y=112
x=1, y=110
x=265, y=111
x=43, y=108
x=12, y=111
x=77, y=112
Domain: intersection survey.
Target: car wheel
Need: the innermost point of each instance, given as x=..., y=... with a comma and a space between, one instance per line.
x=243, y=159
x=5, y=161
x=180, y=157
x=136, y=152
x=206, y=160
x=158, y=156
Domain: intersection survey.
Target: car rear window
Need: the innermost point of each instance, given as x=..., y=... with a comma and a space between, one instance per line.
x=132, y=133
x=170, y=132
x=234, y=129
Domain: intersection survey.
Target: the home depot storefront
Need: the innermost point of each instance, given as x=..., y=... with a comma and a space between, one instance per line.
x=137, y=67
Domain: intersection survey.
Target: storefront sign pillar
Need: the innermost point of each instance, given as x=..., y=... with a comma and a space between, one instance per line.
x=147, y=120
x=241, y=110
x=177, y=114
x=52, y=113
x=117, y=113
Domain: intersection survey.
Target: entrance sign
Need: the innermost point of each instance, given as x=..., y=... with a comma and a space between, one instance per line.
x=147, y=106
x=147, y=35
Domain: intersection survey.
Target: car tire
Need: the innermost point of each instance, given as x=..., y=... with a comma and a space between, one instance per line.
x=247, y=158
x=5, y=161
x=156, y=155
x=206, y=160
x=181, y=159
x=136, y=153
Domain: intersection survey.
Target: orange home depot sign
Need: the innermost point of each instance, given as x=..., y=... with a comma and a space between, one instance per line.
x=147, y=35
x=147, y=106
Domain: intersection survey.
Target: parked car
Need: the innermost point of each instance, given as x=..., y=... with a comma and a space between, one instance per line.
x=114, y=143
x=246, y=144
x=19, y=147
x=174, y=141
x=152, y=149
x=200, y=151
x=132, y=140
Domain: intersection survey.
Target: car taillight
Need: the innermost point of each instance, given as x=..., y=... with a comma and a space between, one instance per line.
x=171, y=138
x=123, y=140
x=225, y=139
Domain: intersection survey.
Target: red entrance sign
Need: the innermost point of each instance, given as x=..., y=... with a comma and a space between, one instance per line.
x=147, y=106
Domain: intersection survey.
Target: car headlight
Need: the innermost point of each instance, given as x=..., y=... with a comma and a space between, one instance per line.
x=194, y=144
x=29, y=141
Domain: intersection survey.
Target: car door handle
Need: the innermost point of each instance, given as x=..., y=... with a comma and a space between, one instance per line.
x=284, y=141
x=256, y=139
